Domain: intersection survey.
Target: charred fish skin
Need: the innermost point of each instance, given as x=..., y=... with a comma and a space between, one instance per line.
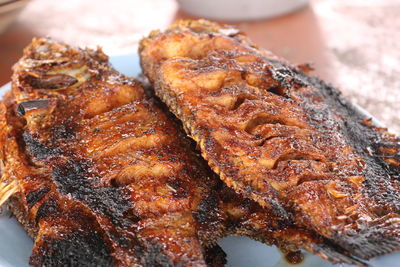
x=62, y=142
x=245, y=217
x=274, y=134
x=68, y=176
x=96, y=171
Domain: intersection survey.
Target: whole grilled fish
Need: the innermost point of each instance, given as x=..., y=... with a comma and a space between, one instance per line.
x=100, y=175
x=279, y=136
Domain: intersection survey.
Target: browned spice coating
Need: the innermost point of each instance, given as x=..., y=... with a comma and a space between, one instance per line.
x=278, y=136
x=105, y=177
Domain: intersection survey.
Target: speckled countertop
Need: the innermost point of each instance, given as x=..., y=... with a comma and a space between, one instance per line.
x=354, y=44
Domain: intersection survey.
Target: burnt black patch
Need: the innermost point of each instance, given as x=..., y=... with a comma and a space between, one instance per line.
x=122, y=239
x=151, y=254
x=132, y=215
x=112, y=202
x=64, y=131
x=35, y=196
x=285, y=76
x=215, y=256
x=48, y=208
x=77, y=248
x=208, y=210
x=37, y=149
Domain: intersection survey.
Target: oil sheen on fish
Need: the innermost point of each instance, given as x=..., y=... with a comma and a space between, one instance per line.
x=280, y=136
x=99, y=174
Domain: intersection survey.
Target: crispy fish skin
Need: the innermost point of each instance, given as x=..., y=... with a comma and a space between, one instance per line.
x=278, y=136
x=243, y=216
x=104, y=177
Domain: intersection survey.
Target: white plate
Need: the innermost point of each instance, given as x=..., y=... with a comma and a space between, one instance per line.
x=15, y=245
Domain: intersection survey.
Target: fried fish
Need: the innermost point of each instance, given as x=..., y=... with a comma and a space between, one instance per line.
x=279, y=136
x=99, y=174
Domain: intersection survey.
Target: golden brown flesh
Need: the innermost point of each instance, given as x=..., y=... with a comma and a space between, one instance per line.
x=287, y=140
x=100, y=175
x=103, y=176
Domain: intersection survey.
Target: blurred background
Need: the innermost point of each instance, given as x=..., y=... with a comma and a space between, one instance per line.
x=355, y=45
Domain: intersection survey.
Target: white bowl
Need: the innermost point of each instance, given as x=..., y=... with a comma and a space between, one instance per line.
x=240, y=9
